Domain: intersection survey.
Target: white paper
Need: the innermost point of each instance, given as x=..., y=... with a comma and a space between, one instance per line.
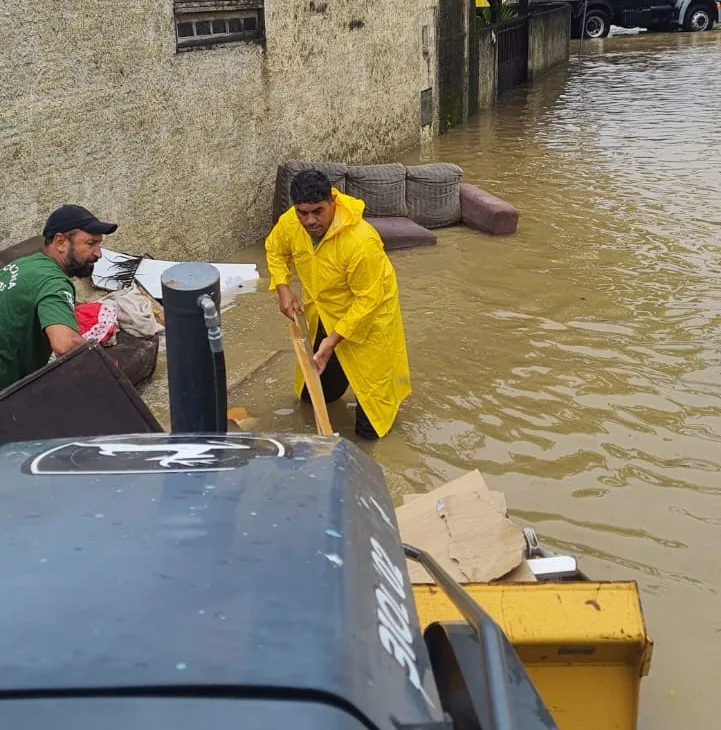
x=234, y=278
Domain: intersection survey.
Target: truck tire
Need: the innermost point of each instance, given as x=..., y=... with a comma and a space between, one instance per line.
x=598, y=24
x=698, y=18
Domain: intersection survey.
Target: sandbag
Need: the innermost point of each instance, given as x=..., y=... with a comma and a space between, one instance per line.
x=137, y=357
x=381, y=187
x=135, y=312
x=432, y=194
x=336, y=172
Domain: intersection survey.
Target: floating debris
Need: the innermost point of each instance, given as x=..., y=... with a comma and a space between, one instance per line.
x=333, y=533
x=335, y=559
x=181, y=666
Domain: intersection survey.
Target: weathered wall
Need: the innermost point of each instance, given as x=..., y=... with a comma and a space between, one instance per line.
x=452, y=63
x=429, y=67
x=97, y=108
x=473, y=59
x=549, y=39
x=487, y=68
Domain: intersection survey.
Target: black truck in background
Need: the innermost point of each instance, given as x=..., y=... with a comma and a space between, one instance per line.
x=595, y=17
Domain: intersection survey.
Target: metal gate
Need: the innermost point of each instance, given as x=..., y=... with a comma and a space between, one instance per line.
x=512, y=37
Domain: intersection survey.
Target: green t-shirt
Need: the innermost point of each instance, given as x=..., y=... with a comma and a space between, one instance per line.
x=35, y=293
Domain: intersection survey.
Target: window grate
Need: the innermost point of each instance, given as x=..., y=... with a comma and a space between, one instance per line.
x=207, y=23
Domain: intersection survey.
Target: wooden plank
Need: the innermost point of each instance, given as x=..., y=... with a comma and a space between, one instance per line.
x=312, y=379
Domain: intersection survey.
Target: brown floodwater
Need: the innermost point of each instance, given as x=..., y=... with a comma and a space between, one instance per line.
x=576, y=364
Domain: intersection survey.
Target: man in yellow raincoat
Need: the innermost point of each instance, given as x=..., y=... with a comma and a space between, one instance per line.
x=350, y=297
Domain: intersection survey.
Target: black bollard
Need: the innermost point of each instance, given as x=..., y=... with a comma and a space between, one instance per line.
x=193, y=374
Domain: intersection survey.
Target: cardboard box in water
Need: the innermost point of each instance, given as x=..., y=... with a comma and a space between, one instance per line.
x=464, y=526
x=81, y=394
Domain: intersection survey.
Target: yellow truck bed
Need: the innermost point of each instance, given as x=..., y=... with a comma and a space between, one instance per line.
x=583, y=644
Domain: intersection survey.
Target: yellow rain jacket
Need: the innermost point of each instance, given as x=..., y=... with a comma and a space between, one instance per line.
x=349, y=281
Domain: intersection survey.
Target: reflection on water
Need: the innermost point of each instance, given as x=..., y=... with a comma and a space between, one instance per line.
x=577, y=364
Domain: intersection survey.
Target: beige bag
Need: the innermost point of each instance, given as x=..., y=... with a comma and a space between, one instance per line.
x=135, y=312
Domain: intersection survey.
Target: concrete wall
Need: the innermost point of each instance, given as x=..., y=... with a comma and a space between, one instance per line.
x=549, y=39
x=487, y=68
x=429, y=66
x=96, y=107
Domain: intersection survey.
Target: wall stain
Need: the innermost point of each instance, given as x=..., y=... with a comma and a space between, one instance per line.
x=182, y=148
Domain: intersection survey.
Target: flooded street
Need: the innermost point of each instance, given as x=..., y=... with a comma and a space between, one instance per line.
x=577, y=364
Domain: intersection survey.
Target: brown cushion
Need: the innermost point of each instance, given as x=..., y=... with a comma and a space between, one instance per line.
x=24, y=248
x=432, y=194
x=486, y=212
x=336, y=172
x=381, y=187
x=402, y=233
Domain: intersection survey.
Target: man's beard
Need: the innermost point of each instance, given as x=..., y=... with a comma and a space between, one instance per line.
x=74, y=267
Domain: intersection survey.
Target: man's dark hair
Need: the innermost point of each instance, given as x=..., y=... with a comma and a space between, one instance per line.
x=310, y=186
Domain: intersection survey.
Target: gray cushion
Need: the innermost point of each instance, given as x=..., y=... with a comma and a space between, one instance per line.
x=402, y=233
x=432, y=194
x=336, y=172
x=381, y=187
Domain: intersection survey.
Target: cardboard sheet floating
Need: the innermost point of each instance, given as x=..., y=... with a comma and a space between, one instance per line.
x=464, y=526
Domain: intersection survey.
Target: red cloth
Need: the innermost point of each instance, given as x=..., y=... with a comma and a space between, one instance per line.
x=97, y=321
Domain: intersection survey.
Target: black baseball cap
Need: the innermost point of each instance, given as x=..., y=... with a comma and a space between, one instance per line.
x=74, y=217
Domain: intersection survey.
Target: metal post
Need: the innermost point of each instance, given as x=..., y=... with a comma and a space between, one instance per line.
x=583, y=29
x=191, y=369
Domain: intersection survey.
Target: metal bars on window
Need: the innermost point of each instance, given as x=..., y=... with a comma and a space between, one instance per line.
x=208, y=23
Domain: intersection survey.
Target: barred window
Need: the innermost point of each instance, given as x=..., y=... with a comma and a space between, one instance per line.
x=208, y=23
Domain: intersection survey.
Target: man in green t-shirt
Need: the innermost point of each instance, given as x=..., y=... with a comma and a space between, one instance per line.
x=37, y=298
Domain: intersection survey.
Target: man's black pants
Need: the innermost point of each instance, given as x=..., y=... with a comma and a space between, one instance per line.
x=335, y=383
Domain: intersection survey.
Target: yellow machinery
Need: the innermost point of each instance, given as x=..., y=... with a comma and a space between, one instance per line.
x=583, y=644
x=260, y=581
